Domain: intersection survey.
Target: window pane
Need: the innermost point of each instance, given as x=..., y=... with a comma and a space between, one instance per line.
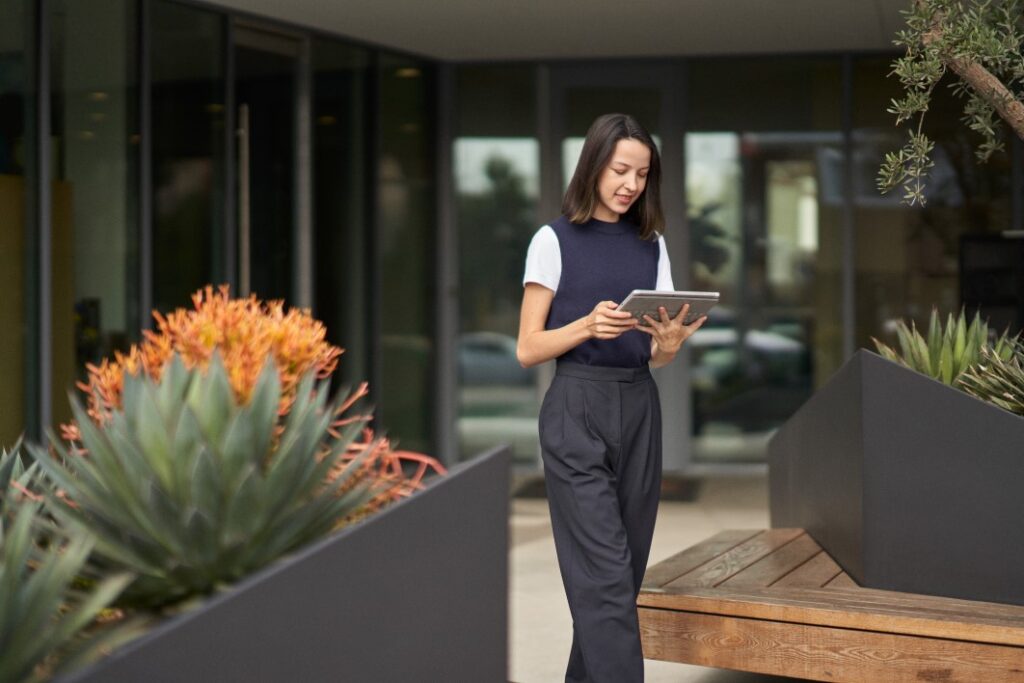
x=497, y=172
x=95, y=137
x=908, y=258
x=187, y=56
x=15, y=154
x=340, y=75
x=763, y=184
x=406, y=223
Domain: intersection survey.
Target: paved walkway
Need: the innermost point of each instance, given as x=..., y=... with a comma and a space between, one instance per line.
x=541, y=629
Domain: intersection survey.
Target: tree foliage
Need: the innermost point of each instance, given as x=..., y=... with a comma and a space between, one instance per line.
x=980, y=41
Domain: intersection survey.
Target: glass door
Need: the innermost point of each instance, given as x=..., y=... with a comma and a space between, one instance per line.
x=267, y=89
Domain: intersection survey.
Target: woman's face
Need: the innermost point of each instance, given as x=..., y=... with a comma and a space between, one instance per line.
x=623, y=180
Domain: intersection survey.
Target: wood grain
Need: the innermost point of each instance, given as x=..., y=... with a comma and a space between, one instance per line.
x=804, y=606
x=693, y=557
x=842, y=580
x=775, y=565
x=822, y=653
x=717, y=570
x=814, y=573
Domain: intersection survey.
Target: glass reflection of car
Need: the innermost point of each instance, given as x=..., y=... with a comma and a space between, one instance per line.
x=498, y=397
x=751, y=379
x=488, y=358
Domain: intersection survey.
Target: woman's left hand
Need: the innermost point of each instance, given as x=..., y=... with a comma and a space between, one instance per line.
x=670, y=333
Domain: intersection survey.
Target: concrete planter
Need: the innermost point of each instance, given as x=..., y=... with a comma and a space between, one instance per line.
x=909, y=484
x=417, y=592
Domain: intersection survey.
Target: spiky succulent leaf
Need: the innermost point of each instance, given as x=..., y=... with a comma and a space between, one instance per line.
x=43, y=610
x=999, y=378
x=191, y=491
x=946, y=351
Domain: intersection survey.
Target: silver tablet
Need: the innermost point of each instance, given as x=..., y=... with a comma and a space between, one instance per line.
x=641, y=301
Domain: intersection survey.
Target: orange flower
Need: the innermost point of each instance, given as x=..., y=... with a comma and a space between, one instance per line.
x=244, y=331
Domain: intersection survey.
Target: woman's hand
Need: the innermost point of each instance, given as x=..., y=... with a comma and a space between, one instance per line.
x=670, y=333
x=604, y=322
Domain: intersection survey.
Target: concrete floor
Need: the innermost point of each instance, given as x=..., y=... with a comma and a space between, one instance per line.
x=541, y=628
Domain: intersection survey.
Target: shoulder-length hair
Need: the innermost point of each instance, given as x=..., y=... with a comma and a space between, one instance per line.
x=581, y=198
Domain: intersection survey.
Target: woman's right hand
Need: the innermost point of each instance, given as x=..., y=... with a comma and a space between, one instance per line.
x=604, y=322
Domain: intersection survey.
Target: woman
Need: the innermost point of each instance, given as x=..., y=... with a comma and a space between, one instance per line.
x=600, y=423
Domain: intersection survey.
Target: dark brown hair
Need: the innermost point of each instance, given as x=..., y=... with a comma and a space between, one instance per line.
x=581, y=198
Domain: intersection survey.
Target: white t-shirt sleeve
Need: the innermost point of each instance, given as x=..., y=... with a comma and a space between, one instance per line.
x=544, y=259
x=664, y=268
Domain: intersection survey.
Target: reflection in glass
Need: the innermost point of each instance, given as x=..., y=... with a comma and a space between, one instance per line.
x=764, y=209
x=15, y=151
x=496, y=186
x=406, y=213
x=187, y=57
x=340, y=74
x=265, y=72
x=908, y=258
x=94, y=136
x=496, y=164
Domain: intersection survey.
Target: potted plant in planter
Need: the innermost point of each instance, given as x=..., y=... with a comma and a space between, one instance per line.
x=210, y=463
x=43, y=613
x=908, y=481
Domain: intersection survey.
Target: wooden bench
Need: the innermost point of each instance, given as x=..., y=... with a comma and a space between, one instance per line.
x=774, y=602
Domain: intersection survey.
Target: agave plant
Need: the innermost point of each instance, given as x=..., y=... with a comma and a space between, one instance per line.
x=43, y=606
x=998, y=380
x=945, y=354
x=190, y=489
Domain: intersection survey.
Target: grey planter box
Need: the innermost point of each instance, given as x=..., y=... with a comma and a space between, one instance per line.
x=418, y=592
x=909, y=484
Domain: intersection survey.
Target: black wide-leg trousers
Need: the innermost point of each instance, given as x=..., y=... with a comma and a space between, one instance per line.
x=600, y=435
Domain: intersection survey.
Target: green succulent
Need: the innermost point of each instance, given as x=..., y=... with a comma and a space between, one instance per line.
x=945, y=354
x=44, y=607
x=998, y=380
x=191, y=491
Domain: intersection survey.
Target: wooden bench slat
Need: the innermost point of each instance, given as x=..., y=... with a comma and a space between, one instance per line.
x=774, y=566
x=871, y=600
x=824, y=607
x=842, y=580
x=687, y=560
x=815, y=573
x=718, y=569
x=821, y=653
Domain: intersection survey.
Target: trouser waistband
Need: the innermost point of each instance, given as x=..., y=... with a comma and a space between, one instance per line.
x=597, y=372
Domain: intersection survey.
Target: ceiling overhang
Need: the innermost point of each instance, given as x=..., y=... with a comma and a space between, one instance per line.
x=477, y=30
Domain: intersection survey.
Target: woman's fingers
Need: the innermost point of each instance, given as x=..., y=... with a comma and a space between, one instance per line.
x=681, y=315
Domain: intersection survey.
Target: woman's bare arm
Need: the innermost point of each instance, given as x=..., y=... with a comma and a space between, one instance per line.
x=536, y=345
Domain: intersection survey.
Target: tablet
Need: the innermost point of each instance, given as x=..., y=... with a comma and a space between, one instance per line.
x=641, y=301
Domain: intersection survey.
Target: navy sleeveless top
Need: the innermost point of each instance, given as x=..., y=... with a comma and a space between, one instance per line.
x=602, y=262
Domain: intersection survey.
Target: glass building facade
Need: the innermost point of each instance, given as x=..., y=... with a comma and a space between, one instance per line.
x=769, y=168
x=149, y=147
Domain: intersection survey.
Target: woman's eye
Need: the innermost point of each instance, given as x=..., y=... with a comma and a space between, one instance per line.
x=618, y=172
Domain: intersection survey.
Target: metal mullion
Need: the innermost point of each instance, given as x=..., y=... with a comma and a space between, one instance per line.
x=673, y=379
x=145, y=166
x=230, y=261
x=447, y=254
x=374, y=277
x=304, y=262
x=43, y=241
x=849, y=227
